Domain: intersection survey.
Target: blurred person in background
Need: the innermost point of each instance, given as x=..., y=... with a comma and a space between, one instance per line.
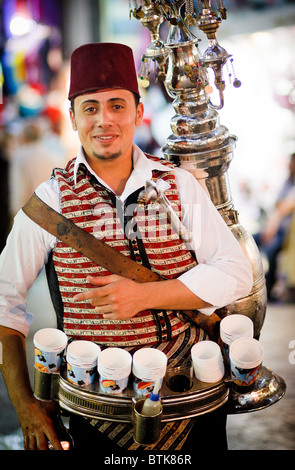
x=272, y=237
x=36, y=152
x=288, y=261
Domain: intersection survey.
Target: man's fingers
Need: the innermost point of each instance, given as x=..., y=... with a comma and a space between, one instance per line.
x=92, y=294
x=30, y=442
x=104, y=309
x=52, y=442
x=102, y=283
x=40, y=441
x=102, y=280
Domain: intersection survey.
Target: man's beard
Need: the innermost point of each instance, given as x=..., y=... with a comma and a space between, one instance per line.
x=106, y=158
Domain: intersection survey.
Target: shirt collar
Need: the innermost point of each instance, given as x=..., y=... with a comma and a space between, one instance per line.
x=142, y=170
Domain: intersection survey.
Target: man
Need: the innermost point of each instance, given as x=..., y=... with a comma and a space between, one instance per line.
x=98, y=191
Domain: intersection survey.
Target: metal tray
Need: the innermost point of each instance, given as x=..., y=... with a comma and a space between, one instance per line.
x=268, y=389
x=90, y=402
x=201, y=398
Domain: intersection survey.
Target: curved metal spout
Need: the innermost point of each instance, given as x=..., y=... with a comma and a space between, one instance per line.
x=215, y=57
x=221, y=102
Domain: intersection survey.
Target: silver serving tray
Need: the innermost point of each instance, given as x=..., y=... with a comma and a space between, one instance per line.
x=89, y=401
x=268, y=389
x=200, y=399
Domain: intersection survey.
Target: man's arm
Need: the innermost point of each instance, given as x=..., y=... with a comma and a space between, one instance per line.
x=117, y=297
x=34, y=416
x=27, y=260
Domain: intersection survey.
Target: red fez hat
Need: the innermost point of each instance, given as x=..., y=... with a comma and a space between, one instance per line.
x=99, y=66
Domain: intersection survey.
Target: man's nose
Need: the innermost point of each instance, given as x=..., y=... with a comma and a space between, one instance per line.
x=104, y=117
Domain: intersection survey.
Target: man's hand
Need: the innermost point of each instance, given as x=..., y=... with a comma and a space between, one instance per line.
x=37, y=426
x=34, y=416
x=117, y=297
x=114, y=296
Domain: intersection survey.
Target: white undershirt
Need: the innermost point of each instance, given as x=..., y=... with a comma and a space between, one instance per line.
x=223, y=273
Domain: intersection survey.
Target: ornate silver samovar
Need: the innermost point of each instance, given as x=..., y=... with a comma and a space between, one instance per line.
x=199, y=143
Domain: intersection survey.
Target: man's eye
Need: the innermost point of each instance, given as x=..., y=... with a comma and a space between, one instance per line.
x=118, y=106
x=91, y=109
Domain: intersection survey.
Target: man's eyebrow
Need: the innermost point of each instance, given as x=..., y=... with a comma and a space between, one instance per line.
x=119, y=98
x=89, y=101
x=110, y=100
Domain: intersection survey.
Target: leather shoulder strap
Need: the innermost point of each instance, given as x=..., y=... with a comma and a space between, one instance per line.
x=85, y=243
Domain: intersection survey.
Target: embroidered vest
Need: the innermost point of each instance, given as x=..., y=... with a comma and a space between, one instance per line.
x=142, y=233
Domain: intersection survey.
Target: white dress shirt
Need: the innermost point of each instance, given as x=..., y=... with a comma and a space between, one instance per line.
x=223, y=273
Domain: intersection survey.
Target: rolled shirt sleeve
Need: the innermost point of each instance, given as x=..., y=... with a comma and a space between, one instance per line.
x=21, y=261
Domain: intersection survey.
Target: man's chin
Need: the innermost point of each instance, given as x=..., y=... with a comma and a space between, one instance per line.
x=107, y=156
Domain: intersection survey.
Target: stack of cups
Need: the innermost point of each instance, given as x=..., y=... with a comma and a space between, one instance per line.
x=114, y=367
x=246, y=356
x=82, y=362
x=148, y=365
x=233, y=327
x=207, y=361
x=50, y=344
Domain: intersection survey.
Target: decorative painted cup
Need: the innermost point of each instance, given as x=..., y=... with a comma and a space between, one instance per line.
x=49, y=344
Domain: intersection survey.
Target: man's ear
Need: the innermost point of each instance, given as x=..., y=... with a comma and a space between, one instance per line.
x=73, y=120
x=139, y=114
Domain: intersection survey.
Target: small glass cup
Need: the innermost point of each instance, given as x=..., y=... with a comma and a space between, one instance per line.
x=180, y=379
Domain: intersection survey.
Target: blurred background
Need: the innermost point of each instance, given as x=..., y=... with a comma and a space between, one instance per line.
x=37, y=38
